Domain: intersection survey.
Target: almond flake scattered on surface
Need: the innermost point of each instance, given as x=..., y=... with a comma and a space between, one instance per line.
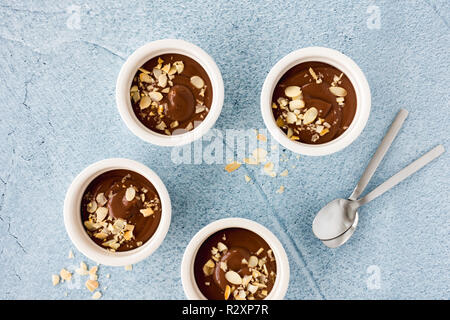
x=232, y=166
x=261, y=137
x=280, y=190
x=70, y=254
x=65, y=275
x=55, y=279
x=129, y=267
x=97, y=295
x=247, y=178
x=284, y=173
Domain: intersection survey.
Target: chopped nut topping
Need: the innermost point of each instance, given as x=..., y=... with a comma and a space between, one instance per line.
x=232, y=166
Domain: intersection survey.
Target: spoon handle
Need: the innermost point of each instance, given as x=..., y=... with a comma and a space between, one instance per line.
x=402, y=174
x=379, y=154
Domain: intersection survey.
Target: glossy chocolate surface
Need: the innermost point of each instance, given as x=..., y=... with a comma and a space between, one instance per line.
x=335, y=113
x=124, y=224
x=241, y=245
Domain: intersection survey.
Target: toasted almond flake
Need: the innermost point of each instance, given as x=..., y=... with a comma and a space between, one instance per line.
x=101, y=199
x=97, y=295
x=199, y=109
x=93, y=270
x=130, y=194
x=101, y=213
x=174, y=124
x=91, y=285
x=145, y=102
x=252, y=289
x=70, y=256
x=313, y=74
x=223, y=266
x=65, y=275
x=144, y=77
x=189, y=127
x=155, y=96
x=338, y=91
x=233, y=277
x=291, y=118
x=261, y=137
x=144, y=70
x=161, y=126
x=292, y=91
x=162, y=80
x=147, y=212
x=310, y=115
x=129, y=267
x=179, y=65
x=284, y=173
x=166, y=68
x=157, y=72
x=197, y=82
x=260, y=250
x=128, y=235
x=55, y=279
x=227, y=292
x=136, y=97
x=232, y=166
x=280, y=190
x=324, y=132
x=268, y=167
x=221, y=247
x=91, y=206
x=247, y=178
x=252, y=261
x=274, y=105
x=296, y=104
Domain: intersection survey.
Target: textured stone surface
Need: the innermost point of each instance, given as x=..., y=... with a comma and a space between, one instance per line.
x=58, y=115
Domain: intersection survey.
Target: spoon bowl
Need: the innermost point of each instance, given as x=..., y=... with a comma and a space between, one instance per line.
x=334, y=219
x=339, y=241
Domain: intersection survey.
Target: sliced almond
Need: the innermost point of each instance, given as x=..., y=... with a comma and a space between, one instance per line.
x=130, y=193
x=284, y=173
x=55, y=279
x=338, y=91
x=147, y=212
x=221, y=246
x=233, y=277
x=97, y=295
x=129, y=267
x=101, y=213
x=65, y=275
x=310, y=115
x=162, y=80
x=227, y=292
x=252, y=261
x=101, y=199
x=252, y=289
x=91, y=285
x=197, y=82
x=91, y=206
x=292, y=91
x=291, y=118
x=296, y=104
x=155, y=96
x=161, y=126
x=179, y=65
x=232, y=166
x=145, y=78
x=145, y=102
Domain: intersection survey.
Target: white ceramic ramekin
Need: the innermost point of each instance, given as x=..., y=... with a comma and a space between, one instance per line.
x=77, y=232
x=142, y=55
x=187, y=265
x=341, y=62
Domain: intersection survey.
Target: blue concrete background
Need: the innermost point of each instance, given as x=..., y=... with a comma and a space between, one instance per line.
x=58, y=67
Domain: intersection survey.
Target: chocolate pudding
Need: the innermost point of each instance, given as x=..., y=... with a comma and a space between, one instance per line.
x=120, y=210
x=171, y=94
x=314, y=103
x=236, y=264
